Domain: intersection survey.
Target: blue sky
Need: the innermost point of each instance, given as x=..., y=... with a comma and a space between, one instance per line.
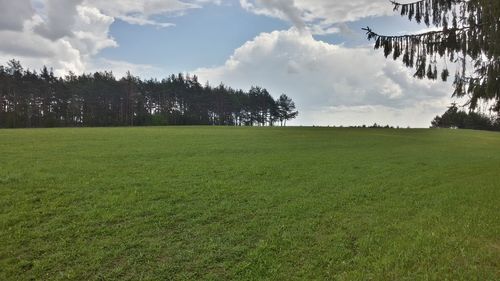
x=201, y=38
x=312, y=50
x=208, y=36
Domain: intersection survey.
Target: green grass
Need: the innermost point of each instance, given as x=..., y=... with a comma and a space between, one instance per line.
x=249, y=204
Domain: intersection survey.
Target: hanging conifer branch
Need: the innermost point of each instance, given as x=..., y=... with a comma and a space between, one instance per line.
x=468, y=33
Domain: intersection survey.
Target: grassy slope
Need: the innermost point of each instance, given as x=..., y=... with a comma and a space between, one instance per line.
x=239, y=203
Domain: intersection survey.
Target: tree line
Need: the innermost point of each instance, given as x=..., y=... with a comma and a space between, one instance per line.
x=456, y=118
x=30, y=99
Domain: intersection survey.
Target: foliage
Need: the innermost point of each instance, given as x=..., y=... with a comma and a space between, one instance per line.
x=30, y=99
x=183, y=203
x=286, y=109
x=455, y=118
x=468, y=36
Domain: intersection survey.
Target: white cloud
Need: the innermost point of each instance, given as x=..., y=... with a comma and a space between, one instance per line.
x=142, y=12
x=59, y=19
x=318, y=16
x=59, y=55
x=13, y=14
x=91, y=31
x=68, y=34
x=323, y=78
x=65, y=35
x=277, y=8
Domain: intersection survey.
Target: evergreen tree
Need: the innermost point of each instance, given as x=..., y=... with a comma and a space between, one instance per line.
x=31, y=99
x=468, y=36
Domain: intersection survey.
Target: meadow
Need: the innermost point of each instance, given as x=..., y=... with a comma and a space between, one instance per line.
x=222, y=203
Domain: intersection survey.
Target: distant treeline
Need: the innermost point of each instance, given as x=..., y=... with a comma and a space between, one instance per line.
x=30, y=99
x=456, y=118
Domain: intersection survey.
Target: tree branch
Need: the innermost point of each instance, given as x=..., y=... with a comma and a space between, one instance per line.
x=372, y=34
x=421, y=1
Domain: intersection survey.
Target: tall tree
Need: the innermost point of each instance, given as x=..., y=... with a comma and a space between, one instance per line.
x=31, y=99
x=286, y=109
x=467, y=35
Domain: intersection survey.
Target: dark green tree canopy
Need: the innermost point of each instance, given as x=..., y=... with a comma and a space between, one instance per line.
x=286, y=109
x=456, y=118
x=467, y=36
x=31, y=99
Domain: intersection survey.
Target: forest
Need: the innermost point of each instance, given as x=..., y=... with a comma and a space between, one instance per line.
x=31, y=99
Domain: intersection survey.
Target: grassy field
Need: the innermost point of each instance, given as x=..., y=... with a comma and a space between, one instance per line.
x=249, y=204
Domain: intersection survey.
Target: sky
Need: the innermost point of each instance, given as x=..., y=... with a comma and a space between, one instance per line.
x=312, y=50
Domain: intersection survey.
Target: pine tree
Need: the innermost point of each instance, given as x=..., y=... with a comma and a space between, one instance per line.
x=31, y=99
x=467, y=36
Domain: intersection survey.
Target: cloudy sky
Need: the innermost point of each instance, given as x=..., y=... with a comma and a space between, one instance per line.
x=312, y=50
